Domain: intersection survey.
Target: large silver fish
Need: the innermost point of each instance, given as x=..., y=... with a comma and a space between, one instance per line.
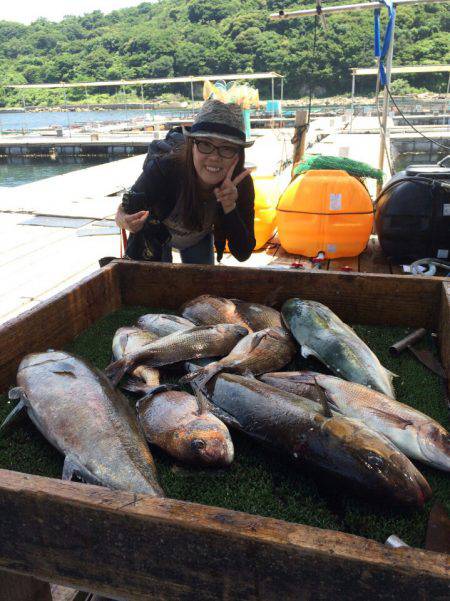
x=162, y=324
x=322, y=334
x=255, y=354
x=131, y=339
x=195, y=343
x=413, y=432
x=338, y=444
x=209, y=310
x=78, y=411
x=182, y=426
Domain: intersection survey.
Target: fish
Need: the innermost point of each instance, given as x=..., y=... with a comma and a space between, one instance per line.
x=77, y=410
x=163, y=324
x=181, y=425
x=418, y=436
x=257, y=316
x=195, y=343
x=131, y=339
x=340, y=445
x=209, y=310
x=253, y=354
x=323, y=335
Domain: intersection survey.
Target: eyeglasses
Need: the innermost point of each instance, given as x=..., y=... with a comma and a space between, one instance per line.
x=226, y=152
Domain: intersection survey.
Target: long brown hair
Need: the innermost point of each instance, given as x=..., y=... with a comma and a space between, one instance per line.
x=190, y=191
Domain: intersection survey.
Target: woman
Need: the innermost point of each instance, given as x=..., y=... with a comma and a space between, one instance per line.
x=195, y=197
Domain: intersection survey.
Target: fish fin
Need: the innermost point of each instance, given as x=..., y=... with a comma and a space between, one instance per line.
x=115, y=371
x=305, y=351
x=72, y=468
x=257, y=337
x=396, y=420
x=202, y=376
x=202, y=400
x=18, y=410
x=63, y=367
x=150, y=393
x=228, y=419
x=391, y=374
x=134, y=385
x=323, y=398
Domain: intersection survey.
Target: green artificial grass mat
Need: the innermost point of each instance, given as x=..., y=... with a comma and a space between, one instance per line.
x=261, y=481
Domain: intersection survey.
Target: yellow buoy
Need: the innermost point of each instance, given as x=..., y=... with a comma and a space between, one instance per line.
x=326, y=211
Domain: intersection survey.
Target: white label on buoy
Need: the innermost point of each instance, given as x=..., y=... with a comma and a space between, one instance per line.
x=446, y=210
x=331, y=248
x=442, y=253
x=335, y=202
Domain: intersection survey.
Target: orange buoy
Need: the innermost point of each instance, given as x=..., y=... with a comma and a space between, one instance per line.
x=325, y=211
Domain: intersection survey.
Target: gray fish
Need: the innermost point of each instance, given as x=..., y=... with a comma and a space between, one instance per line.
x=414, y=433
x=258, y=317
x=338, y=444
x=209, y=310
x=322, y=334
x=254, y=354
x=78, y=411
x=195, y=343
x=163, y=324
x=183, y=427
x=131, y=339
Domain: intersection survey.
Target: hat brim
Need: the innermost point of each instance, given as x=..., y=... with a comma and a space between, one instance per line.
x=232, y=139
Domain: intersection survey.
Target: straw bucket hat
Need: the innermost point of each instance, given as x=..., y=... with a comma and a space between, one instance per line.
x=219, y=120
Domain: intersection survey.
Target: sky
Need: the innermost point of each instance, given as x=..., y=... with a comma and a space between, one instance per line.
x=26, y=11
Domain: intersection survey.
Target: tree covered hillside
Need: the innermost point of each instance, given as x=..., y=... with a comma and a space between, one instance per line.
x=197, y=37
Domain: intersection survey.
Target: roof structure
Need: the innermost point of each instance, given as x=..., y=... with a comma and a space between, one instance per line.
x=165, y=80
x=410, y=69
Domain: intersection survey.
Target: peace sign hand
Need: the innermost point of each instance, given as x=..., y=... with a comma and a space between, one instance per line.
x=227, y=193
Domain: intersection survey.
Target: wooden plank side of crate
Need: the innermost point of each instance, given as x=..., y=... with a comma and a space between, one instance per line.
x=16, y=587
x=357, y=298
x=444, y=332
x=162, y=549
x=57, y=321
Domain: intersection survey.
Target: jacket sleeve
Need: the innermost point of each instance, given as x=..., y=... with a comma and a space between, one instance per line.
x=152, y=188
x=238, y=225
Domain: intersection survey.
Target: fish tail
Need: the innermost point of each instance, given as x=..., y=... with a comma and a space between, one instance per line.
x=202, y=376
x=18, y=410
x=115, y=371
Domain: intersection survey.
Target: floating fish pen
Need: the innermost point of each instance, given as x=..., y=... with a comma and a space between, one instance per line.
x=127, y=545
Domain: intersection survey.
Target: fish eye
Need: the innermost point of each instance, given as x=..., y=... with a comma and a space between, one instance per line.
x=375, y=460
x=198, y=444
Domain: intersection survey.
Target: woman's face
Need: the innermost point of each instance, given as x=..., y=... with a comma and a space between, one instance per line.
x=212, y=168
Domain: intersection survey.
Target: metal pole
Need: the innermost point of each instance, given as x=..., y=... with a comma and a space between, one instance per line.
x=67, y=111
x=353, y=99
x=311, y=12
x=192, y=96
x=273, y=101
x=384, y=115
x=281, y=99
x=446, y=101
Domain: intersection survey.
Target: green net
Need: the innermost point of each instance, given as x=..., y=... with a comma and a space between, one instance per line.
x=355, y=168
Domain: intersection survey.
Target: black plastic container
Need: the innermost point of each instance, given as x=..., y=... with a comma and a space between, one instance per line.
x=412, y=216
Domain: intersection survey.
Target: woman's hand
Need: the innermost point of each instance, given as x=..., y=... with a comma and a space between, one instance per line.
x=133, y=223
x=227, y=194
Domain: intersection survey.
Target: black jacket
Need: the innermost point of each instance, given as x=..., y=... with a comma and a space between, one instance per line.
x=159, y=187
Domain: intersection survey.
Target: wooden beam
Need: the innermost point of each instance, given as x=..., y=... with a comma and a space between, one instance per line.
x=125, y=545
x=357, y=298
x=15, y=587
x=58, y=320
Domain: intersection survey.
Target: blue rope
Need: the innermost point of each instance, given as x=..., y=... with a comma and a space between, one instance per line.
x=382, y=50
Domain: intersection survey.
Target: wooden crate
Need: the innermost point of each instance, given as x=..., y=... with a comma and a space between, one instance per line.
x=134, y=547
